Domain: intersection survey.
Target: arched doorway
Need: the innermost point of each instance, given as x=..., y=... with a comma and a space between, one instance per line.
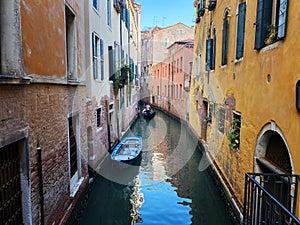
x=272, y=156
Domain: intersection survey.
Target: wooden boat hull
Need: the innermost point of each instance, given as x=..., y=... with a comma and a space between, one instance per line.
x=128, y=151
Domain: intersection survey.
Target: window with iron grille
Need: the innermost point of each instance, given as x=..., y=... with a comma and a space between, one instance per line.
x=99, y=117
x=240, y=34
x=271, y=22
x=10, y=185
x=73, y=145
x=234, y=135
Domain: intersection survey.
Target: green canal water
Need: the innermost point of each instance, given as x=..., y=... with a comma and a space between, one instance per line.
x=168, y=186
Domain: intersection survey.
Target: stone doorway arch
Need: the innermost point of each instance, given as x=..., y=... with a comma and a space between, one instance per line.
x=272, y=153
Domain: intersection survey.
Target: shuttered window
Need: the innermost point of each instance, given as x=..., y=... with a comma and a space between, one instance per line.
x=282, y=20
x=271, y=21
x=101, y=60
x=240, y=31
x=209, y=54
x=225, y=40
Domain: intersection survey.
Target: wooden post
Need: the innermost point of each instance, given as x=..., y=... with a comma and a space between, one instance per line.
x=108, y=125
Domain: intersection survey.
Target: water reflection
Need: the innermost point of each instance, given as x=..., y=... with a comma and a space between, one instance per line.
x=167, y=187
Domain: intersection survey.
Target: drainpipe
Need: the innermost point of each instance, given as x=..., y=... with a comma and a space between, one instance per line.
x=41, y=191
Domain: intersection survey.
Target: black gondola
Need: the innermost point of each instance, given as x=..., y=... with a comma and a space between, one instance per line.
x=148, y=114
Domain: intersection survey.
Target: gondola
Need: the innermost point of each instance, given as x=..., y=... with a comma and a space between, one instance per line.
x=148, y=114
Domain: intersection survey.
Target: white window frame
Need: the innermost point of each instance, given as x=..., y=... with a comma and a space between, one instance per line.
x=97, y=7
x=77, y=179
x=108, y=16
x=98, y=57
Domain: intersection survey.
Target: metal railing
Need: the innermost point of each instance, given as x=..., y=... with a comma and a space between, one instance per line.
x=270, y=199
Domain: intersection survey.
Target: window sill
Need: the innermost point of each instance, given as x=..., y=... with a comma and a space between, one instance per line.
x=76, y=187
x=11, y=79
x=238, y=60
x=99, y=129
x=97, y=11
x=271, y=46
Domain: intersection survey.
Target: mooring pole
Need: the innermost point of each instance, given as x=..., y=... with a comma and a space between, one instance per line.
x=40, y=175
x=108, y=125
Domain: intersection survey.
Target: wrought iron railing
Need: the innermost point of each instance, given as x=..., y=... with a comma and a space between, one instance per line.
x=270, y=199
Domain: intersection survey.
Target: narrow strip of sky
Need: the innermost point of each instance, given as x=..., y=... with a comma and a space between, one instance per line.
x=165, y=13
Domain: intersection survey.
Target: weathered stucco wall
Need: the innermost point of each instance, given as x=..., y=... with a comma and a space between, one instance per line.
x=258, y=99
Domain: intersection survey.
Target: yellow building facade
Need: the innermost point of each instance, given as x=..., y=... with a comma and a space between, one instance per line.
x=243, y=101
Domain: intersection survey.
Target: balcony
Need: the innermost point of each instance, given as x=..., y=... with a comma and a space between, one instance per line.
x=270, y=199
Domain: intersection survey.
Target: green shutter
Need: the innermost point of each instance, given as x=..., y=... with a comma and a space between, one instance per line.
x=282, y=20
x=241, y=31
x=225, y=42
x=259, y=25
x=213, y=52
x=263, y=21
x=209, y=54
x=94, y=54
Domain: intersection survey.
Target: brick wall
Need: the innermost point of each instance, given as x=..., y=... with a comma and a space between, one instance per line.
x=45, y=109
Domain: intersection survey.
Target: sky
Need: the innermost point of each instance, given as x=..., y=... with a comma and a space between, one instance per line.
x=165, y=13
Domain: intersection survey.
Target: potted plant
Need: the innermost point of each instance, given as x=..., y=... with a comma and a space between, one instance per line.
x=272, y=35
x=212, y=5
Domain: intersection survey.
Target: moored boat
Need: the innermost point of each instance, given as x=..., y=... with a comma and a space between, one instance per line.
x=128, y=150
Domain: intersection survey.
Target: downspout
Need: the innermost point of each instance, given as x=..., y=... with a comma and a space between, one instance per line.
x=41, y=191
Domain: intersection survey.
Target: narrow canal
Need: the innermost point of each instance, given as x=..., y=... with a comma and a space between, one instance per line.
x=167, y=187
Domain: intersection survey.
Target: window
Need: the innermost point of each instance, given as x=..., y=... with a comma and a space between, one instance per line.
x=74, y=154
x=10, y=185
x=108, y=13
x=240, y=35
x=210, y=52
x=181, y=60
x=70, y=44
x=201, y=8
x=166, y=42
x=99, y=117
x=234, y=135
x=96, y=4
x=221, y=124
x=98, y=58
x=180, y=96
x=225, y=32
x=117, y=60
x=271, y=21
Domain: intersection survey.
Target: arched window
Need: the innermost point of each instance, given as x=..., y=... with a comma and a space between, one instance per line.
x=225, y=32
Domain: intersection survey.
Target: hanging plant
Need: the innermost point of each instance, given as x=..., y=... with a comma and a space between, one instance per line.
x=124, y=77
